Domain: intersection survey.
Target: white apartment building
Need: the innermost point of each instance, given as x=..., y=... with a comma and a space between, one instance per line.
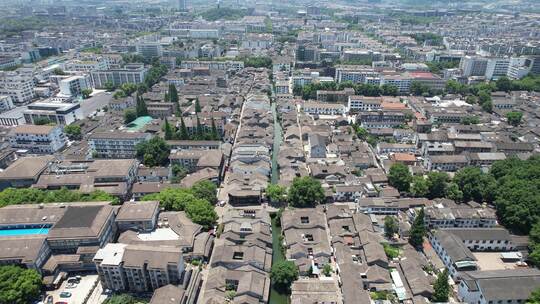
x=322, y=108
x=19, y=87
x=506, y=286
x=130, y=73
x=358, y=103
x=116, y=144
x=87, y=65
x=203, y=33
x=403, y=84
x=453, y=253
x=37, y=139
x=257, y=41
x=139, y=268
x=74, y=85
x=519, y=67
x=283, y=87
x=355, y=74
x=6, y=103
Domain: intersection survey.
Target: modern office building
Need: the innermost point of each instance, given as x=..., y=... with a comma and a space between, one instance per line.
x=58, y=113
x=149, y=49
x=130, y=73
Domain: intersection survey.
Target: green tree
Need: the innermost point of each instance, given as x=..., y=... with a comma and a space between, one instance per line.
x=178, y=173
x=276, y=193
x=452, y=192
x=86, y=93
x=283, y=274
x=214, y=131
x=437, y=184
x=168, y=130
x=419, y=187
x=119, y=94
x=475, y=184
x=206, y=190
x=534, y=298
x=109, y=86
x=59, y=72
x=173, y=94
x=141, y=107
x=130, y=115
x=419, y=89
x=360, y=132
x=199, y=129
x=40, y=121
x=172, y=199
x=128, y=88
x=121, y=299
x=305, y=192
x=184, y=135
x=73, y=132
x=400, y=177
x=154, y=152
x=487, y=106
x=504, y=84
x=471, y=99
x=327, y=270
x=258, y=62
x=418, y=230
x=391, y=226
x=441, y=288
x=19, y=285
x=389, y=90
x=197, y=106
x=514, y=118
x=517, y=193
x=483, y=96
x=202, y=212
x=470, y=120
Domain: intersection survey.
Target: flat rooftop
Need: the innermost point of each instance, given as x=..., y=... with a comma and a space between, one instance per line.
x=78, y=217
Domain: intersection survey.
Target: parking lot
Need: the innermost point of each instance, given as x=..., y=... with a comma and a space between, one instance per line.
x=79, y=293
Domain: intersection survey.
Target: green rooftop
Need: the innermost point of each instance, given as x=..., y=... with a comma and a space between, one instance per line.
x=139, y=123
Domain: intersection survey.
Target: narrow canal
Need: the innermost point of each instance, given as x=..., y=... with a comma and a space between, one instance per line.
x=275, y=296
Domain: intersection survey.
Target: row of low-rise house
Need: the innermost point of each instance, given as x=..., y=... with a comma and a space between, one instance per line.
x=250, y=164
x=114, y=176
x=239, y=269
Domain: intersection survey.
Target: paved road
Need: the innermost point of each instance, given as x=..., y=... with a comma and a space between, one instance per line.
x=98, y=101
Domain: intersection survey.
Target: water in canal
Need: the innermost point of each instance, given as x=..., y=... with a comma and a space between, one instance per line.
x=275, y=296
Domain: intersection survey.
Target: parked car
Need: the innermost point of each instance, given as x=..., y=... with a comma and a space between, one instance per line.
x=65, y=294
x=71, y=285
x=49, y=299
x=61, y=302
